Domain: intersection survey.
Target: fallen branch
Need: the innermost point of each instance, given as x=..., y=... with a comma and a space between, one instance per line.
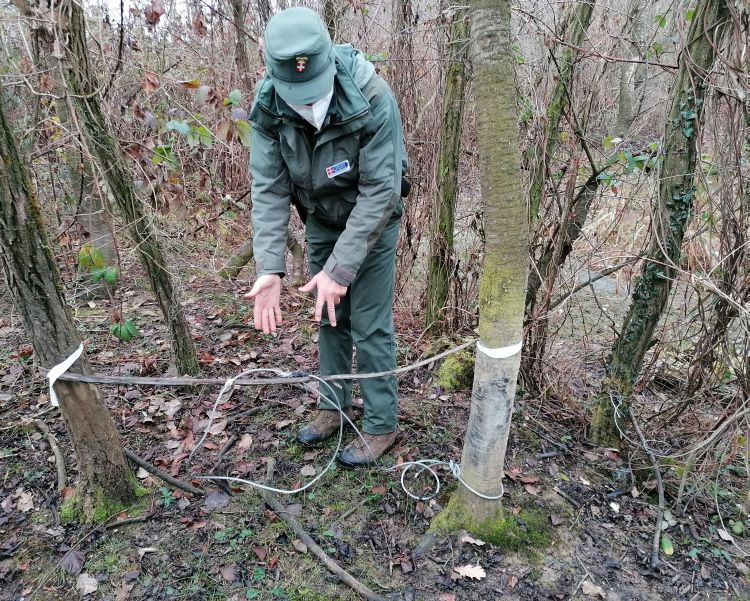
x=655, y=561
x=62, y=476
x=163, y=475
x=138, y=519
x=302, y=534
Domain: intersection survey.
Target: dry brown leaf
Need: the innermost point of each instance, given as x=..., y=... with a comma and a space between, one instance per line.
x=150, y=82
x=299, y=545
x=532, y=490
x=245, y=442
x=471, y=540
x=469, y=571
x=228, y=572
x=86, y=584
x=593, y=590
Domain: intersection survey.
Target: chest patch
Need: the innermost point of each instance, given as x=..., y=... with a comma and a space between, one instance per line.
x=338, y=169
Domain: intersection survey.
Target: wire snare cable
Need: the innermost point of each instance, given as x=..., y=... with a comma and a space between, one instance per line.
x=422, y=464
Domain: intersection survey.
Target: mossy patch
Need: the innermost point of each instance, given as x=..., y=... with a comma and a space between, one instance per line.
x=530, y=529
x=71, y=509
x=456, y=372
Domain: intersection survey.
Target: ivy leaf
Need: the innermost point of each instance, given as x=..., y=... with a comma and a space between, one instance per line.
x=238, y=113
x=243, y=132
x=111, y=274
x=98, y=273
x=164, y=154
x=89, y=257
x=204, y=136
x=234, y=98
x=182, y=127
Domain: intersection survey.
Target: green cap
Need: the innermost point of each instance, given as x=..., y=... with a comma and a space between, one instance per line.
x=299, y=55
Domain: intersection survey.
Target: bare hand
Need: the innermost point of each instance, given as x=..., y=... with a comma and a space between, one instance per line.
x=330, y=293
x=267, y=292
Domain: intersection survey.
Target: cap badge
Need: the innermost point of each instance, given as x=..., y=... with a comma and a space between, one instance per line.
x=301, y=63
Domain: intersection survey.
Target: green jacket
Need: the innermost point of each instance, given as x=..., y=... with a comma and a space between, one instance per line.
x=288, y=158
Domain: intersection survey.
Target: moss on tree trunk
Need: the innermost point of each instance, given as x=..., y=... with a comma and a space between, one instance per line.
x=105, y=478
x=674, y=205
x=505, y=268
x=441, y=259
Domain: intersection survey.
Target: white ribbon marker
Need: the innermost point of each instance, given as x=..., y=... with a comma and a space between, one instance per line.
x=504, y=352
x=59, y=370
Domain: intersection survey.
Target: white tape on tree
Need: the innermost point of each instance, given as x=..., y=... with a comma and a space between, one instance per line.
x=503, y=352
x=59, y=370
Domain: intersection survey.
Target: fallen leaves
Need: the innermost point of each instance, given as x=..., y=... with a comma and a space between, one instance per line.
x=86, y=584
x=593, y=590
x=73, y=562
x=150, y=82
x=245, y=443
x=214, y=501
x=471, y=540
x=299, y=546
x=228, y=572
x=308, y=470
x=475, y=572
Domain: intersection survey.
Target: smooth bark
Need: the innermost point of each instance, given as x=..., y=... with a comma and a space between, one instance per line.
x=505, y=267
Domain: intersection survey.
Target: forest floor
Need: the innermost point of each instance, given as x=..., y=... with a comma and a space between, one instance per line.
x=598, y=506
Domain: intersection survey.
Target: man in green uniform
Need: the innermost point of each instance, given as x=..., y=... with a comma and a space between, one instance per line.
x=327, y=137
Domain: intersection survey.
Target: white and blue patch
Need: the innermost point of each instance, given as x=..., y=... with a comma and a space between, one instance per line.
x=338, y=169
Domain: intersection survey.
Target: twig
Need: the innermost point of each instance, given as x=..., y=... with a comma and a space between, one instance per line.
x=224, y=450
x=332, y=566
x=655, y=561
x=567, y=497
x=138, y=519
x=351, y=510
x=588, y=575
x=62, y=476
x=163, y=475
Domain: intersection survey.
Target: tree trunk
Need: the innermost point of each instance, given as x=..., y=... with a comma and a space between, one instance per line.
x=505, y=268
x=333, y=14
x=671, y=214
x=632, y=75
x=240, y=51
x=85, y=89
x=106, y=484
x=244, y=254
x=441, y=239
x=91, y=210
x=573, y=31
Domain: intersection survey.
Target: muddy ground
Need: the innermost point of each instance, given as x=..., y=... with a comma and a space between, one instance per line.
x=597, y=504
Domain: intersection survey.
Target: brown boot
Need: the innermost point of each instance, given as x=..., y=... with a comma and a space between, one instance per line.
x=326, y=422
x=358, y=453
